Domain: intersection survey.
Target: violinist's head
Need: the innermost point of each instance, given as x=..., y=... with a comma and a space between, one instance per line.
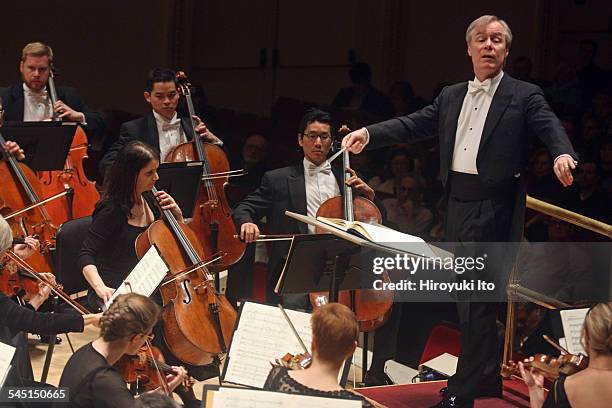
x=133, y=172
x=129, y=320
x=334, y=333
x=597, y=331
x=36, y=59
x=161, y=92
x=315, y=137
x=6, y=236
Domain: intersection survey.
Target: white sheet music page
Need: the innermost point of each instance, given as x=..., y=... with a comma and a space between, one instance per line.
x=263, y=335
x=145, y=277
x=572, y=321
x=6, y=356
x=244, y=398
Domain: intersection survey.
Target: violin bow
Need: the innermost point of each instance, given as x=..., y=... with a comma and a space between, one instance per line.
x=286, y=316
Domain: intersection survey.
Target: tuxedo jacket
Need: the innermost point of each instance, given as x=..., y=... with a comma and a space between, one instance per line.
x=143, y=129
x=281, y=190
x=518, y=112
x=13, y=101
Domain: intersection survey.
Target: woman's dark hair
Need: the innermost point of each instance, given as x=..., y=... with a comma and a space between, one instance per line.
x=121, y=181
x=395, y=152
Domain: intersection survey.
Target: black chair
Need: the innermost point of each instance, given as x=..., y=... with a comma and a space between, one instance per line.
x=69, y=238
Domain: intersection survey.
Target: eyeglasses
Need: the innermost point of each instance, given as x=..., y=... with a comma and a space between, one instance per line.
x=313, y=136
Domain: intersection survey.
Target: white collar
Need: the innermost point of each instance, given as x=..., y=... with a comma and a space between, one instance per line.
x=494, y=81
x=161, y=120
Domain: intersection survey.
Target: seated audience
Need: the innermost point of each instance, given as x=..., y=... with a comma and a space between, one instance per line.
x=406, y=210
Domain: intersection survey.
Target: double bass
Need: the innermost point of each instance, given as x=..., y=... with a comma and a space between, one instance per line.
x=212, y=216
x=84, y=195
x=198, y=321
x=372, y=307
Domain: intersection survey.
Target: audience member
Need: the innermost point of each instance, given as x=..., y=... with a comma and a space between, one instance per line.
x=403, y=99
x=362, y=96
x=399, y=164
x=406, y=211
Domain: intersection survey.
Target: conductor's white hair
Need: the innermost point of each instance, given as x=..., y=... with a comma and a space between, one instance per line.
x=6, y=235
x=486, y=20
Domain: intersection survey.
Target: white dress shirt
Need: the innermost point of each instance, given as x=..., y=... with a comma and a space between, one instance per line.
x=170, y=133
x=320, y=186
x=36, y=105
x=471, y=123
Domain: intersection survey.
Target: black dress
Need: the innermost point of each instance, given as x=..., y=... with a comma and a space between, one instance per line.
x=93, y=382
x=557, y=398
x=280, y=380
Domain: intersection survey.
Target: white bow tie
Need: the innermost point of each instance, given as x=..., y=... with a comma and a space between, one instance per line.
x=174, y=125
x=475, y=87
x=324, y=168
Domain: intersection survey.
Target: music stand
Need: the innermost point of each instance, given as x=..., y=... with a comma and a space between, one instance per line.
x=181, y=180
x=46, y=144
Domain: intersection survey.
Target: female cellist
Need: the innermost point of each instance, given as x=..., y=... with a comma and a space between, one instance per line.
x=589, y=387
x=124, y=328
x=108, y=253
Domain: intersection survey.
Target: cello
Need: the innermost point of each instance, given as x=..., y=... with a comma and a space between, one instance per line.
x=84, y=196
x=372, y=307
x=198, y=321
x=212, y=216
x=21, y=189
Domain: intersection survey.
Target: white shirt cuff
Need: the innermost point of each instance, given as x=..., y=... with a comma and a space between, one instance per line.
x=564, y=155
x=367, y=137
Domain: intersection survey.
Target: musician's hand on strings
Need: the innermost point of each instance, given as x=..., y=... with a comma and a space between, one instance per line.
x=104, y=292
x=14, y=148
x=66, y=112
x=202, y=130
x=29, y=247
x=563, y=169
x=355, y=141
x=41, y=297
x=360, y=185
x=249, y=232
x=535, y=383
x=166, y=202
x=174, y=380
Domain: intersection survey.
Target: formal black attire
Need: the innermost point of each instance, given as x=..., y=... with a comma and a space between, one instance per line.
x=143, y=129
x=557, y=398
x=281, y=190
x=280, y=380
x=92, y=382
x=486, y=207
x=109, y=245
x=13, y=102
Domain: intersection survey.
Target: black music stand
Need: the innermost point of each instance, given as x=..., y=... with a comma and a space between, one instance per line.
x=181, y=180
x=46, y=144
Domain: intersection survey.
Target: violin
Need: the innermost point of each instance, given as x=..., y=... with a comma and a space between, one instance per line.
x=299, y=361
x=550, y=366
x=21, y=275
x=21, y=189
x=372, y=307
x=212, y=216
x=84, y=195
x=14, y=279
x=147, y=368
x=198, y=321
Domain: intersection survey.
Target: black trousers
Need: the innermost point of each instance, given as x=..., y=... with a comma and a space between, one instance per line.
x=474, y=220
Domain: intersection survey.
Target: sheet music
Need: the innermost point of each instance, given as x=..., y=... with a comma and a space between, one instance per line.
x=572, y=321
x=244, y=398
x=6, y=356
x=262, y=336
x=145, y=277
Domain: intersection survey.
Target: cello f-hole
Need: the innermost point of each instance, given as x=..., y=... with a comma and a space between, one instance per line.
x=185, y=285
